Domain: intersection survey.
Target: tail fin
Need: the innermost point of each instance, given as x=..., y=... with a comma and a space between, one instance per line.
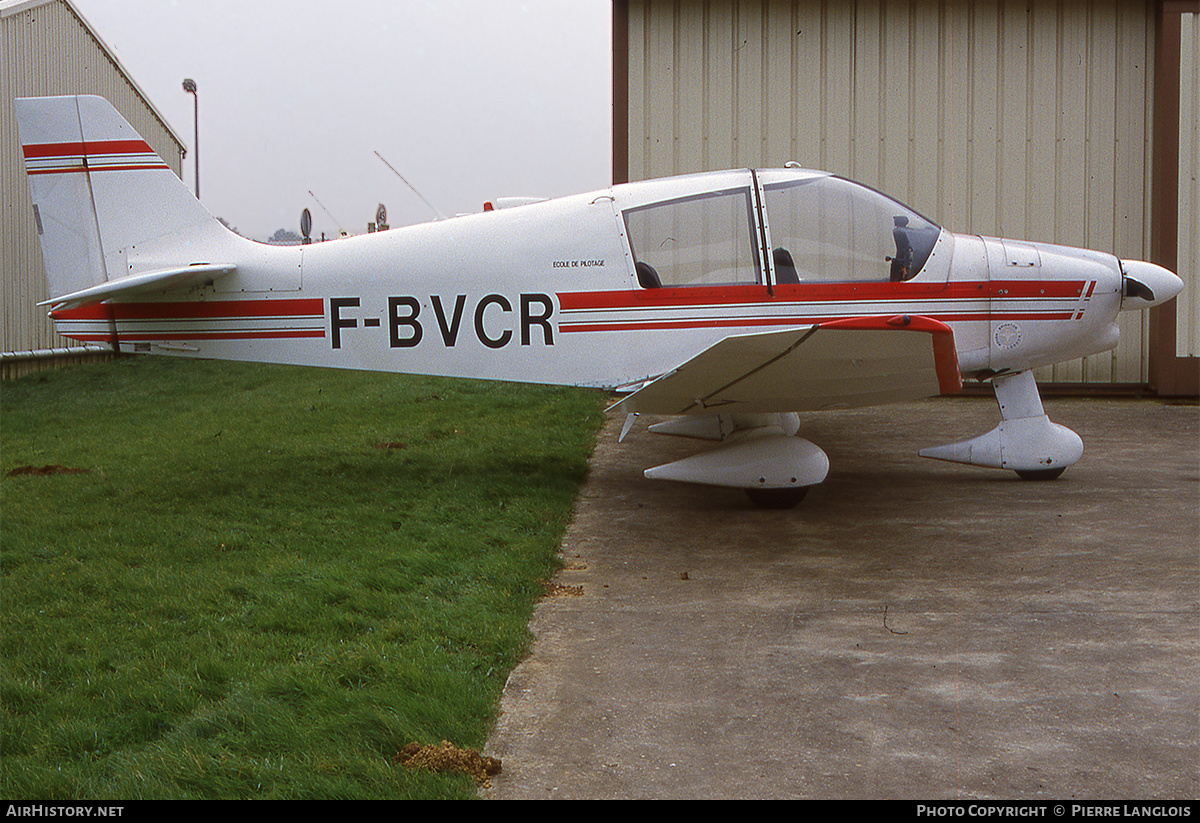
x=104, y=202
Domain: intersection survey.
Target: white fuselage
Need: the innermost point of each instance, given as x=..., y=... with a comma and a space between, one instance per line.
x=549, y=292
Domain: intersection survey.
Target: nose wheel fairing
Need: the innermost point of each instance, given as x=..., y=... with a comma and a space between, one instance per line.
x=1026, y=440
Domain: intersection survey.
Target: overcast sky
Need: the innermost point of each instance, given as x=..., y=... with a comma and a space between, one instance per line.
x=468, y=99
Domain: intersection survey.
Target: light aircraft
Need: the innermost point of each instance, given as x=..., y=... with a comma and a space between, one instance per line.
x=731, y=300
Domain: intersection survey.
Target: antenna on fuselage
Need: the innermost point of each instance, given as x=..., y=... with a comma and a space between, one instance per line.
x=432, y=207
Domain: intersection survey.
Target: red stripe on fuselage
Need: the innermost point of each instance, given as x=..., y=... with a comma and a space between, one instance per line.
x=822, y=298
x=796, y=320
x=233, y=335
x=817, y=293
x=216, y=309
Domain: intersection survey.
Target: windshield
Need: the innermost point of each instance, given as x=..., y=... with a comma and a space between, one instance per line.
x=831, y=230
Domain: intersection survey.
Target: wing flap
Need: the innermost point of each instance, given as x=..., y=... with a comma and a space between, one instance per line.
x=859, y=361
x=151, y=281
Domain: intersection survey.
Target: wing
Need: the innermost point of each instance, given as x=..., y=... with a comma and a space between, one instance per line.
x=858, y=361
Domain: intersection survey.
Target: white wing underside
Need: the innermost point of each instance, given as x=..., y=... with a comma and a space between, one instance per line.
x=864, y=362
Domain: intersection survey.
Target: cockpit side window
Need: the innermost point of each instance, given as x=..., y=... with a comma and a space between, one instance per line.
x=838, y=231
x=704, y=240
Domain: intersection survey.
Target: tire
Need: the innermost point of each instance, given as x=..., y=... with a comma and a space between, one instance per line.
x=1041, y=474
x=777, y=498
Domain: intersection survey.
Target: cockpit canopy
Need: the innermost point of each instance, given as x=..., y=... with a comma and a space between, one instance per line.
x=820, y=229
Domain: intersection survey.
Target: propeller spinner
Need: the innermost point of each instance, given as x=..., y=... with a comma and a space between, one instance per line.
x=1146, y=284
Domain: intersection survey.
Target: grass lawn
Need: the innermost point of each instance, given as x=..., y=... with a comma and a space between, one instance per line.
x=267, y=580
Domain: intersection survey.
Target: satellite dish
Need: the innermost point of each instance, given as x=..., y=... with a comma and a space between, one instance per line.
x=306, y=223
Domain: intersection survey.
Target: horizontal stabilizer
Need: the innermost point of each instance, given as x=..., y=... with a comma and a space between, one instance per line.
x=846, y=363
x=151, y=281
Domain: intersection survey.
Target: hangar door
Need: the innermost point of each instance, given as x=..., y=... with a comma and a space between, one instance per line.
x=1029, y=120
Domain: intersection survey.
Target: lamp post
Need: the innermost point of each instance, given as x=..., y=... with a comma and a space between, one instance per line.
x=189, y=85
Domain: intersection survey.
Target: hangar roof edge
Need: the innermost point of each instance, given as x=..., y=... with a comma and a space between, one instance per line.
x=11, y=7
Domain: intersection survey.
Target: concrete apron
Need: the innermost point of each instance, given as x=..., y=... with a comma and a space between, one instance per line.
x=914, y=629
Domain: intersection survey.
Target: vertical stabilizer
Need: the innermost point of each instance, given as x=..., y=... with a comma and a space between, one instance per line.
x=103, y=200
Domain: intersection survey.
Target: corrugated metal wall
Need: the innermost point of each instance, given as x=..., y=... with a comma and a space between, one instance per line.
x=1014, y=119
x=1187, y=314
x=49, y=50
